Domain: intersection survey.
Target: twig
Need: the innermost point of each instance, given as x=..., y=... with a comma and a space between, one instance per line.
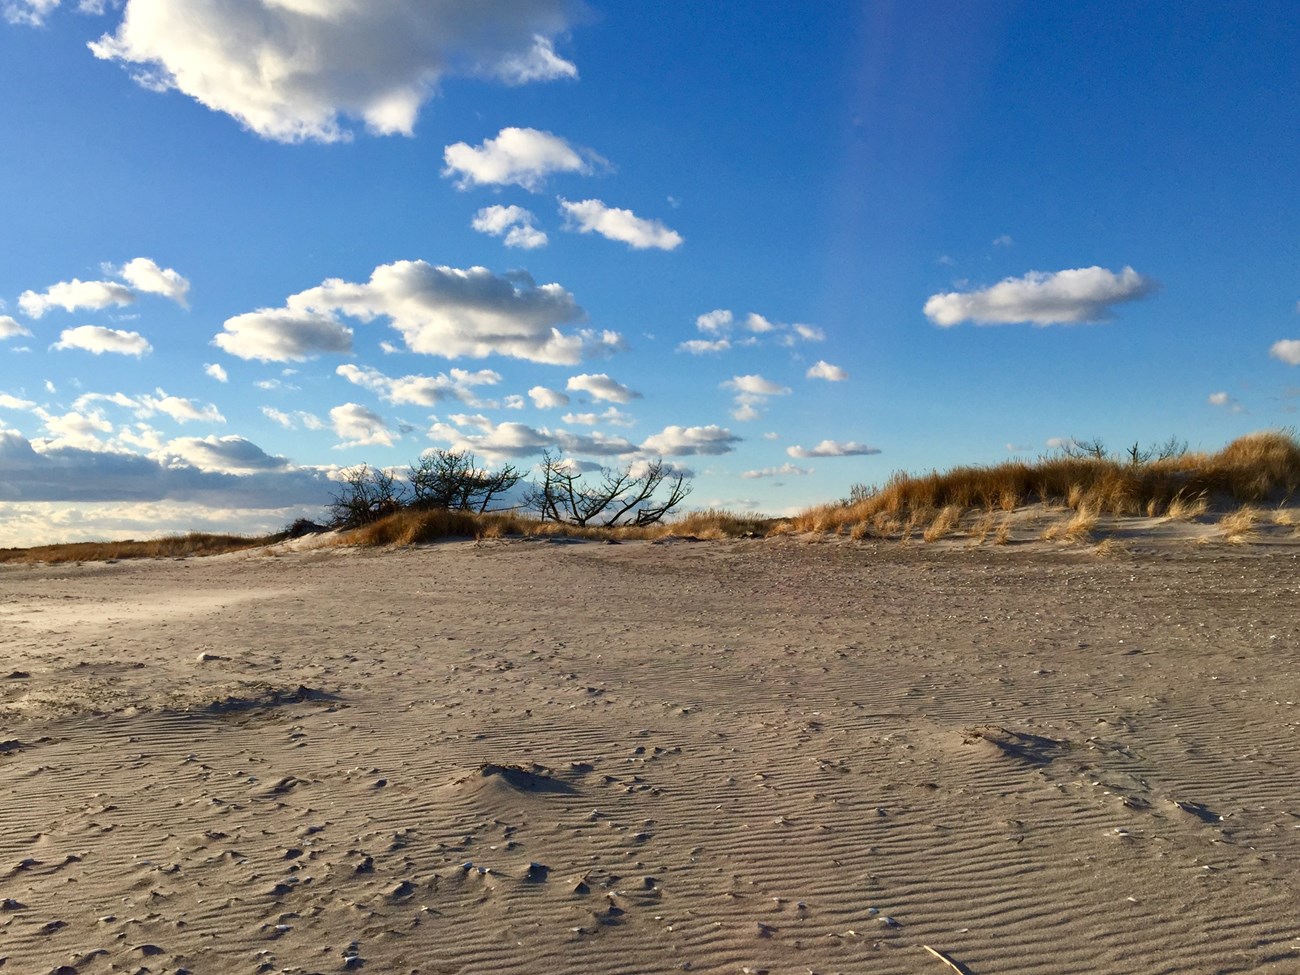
x=958, y=968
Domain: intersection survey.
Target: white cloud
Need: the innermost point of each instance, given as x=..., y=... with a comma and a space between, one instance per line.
x=74, y=295
x=513, y=222
x=144, y=275
x=752, y=392
x=593, y=216
x=8, y=402
x=684, y=441
x=1060, y=298
x=601, y=387
x=613, y=417
x=1222, y=399
x=721, y=321
x=223, y=455
x=291, y=421
x=180, y=409
x=832, y=448
x=715, y=322
x=294, y=70
x=547, y=399
x=96, y=339
x=824, y=370
x=515, y=402
x=359, y=427
x=785, y=470
x=519, y=157
x=80, y=429
x=1286, y=350
x=283, y=335
x=521, y=440
x=1004, y=240
x=704, y=346
x=29, y=12
x=442, y=311
x=10, y=329
x=755, y=385
x=216, y=371
x=420, y=390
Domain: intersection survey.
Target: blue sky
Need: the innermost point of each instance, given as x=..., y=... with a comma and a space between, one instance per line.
x=786, y=246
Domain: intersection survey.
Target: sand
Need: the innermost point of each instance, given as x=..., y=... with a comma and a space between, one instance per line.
x=755, y=756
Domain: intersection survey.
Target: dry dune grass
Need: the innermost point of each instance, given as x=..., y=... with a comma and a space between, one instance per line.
x=415, y=527
x=1255, y=468
x=170, y=546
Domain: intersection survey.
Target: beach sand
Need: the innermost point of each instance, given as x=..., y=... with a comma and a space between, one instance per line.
x=753, y=756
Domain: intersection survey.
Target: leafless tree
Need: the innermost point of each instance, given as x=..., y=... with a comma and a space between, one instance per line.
x=615, y=496
x=453, y=479
x=367, y=494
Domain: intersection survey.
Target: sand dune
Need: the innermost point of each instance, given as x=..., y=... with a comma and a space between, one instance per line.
x=735, y=756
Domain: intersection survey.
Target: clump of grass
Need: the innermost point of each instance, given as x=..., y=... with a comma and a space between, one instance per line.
x=943, y=524
x=1077, y=527
x=167, y=547
x=1237, y=525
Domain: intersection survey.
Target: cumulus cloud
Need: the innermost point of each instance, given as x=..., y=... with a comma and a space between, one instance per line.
x=359, y=427
x=295, y=70
x=601, y=387
x=521, y=440
x=283, y=335
x=8, y=402
x=180, y=409
x=235, y=474
x=593, y=216
x=514, y=223
x=547, y=399
x=824, y=370
x=443, y=311
x=223, y=455
x=519, y=157
x=716, y=321
x=144, y=275
x=832, y=448
x=10, y=329
x=75, y=295
x=98, y=340
x=685, y=441
x=1286, y=350
x=216, y=371
x=785, y=470
x=1059, y=298
x=752, y=391
x=420, y=390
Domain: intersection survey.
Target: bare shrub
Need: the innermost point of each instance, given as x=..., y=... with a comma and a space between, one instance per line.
x=616, y=496
x=455, y=480
x=366, y=495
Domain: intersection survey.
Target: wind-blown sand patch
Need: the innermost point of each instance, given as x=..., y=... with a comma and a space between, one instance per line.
x=727, y=756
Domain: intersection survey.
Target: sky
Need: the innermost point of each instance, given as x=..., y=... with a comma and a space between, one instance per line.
x=786, y=247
